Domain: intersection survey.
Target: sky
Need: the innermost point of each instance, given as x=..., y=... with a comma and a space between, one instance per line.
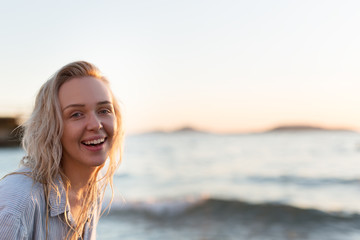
x=222, y=66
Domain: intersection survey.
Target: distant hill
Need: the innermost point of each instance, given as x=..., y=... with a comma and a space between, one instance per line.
x=299, y=128
x=9, y=137
x=186, y=129
x=283, y=128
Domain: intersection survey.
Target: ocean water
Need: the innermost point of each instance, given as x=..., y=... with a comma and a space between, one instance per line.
x=198, y=186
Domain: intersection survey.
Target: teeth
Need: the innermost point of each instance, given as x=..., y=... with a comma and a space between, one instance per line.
x=97, y=141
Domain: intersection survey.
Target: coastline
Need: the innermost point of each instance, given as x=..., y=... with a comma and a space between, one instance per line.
x=10, y=132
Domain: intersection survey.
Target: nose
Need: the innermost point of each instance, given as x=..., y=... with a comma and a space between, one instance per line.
x=94, y=123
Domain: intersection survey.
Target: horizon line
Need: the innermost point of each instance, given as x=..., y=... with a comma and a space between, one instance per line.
x=278, y=127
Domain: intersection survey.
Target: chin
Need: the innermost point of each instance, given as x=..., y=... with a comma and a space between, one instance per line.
x=98, y=163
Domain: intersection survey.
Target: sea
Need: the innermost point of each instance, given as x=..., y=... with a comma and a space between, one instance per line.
x=262, y=186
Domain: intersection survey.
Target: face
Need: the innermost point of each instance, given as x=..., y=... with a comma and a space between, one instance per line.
x=89, y=122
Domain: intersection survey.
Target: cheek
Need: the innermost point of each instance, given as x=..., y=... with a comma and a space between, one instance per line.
x=65, y=142
x=69, y=134
x=110, y=127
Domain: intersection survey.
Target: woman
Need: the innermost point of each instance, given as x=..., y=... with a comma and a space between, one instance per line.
x=75, y=128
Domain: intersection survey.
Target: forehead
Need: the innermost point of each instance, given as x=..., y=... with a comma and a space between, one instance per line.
x=84, y=90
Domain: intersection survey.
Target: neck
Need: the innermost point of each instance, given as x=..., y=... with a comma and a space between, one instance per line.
x=79, y=178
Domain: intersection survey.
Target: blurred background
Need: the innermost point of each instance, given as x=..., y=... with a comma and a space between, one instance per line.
x=240, y=116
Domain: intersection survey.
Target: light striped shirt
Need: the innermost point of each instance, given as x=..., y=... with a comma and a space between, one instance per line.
x=23, y=211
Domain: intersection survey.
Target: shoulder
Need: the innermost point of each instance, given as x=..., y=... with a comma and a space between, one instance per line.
x=18, y=192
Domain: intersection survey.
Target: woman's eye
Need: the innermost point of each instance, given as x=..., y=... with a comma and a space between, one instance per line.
x=104, y=111
x=75, y=115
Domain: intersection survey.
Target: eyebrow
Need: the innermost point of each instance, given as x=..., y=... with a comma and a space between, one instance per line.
x=83, y=105
x=104, y=102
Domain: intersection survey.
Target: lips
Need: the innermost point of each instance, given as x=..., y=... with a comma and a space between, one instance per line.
x=94, y=144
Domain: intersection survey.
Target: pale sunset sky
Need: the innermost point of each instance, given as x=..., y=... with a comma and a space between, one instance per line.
x=218, y=65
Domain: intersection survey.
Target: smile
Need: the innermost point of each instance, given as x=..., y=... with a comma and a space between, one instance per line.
x=94, y=142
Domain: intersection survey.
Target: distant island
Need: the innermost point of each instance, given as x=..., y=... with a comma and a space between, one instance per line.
x=278, y=129
x=186, y=129
x=300, y=128
x=9, y=132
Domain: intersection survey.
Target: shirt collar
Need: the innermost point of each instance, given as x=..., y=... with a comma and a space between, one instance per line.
x=58, y=205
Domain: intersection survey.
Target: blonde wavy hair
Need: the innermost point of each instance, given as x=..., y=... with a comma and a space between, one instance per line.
x=41, y=141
